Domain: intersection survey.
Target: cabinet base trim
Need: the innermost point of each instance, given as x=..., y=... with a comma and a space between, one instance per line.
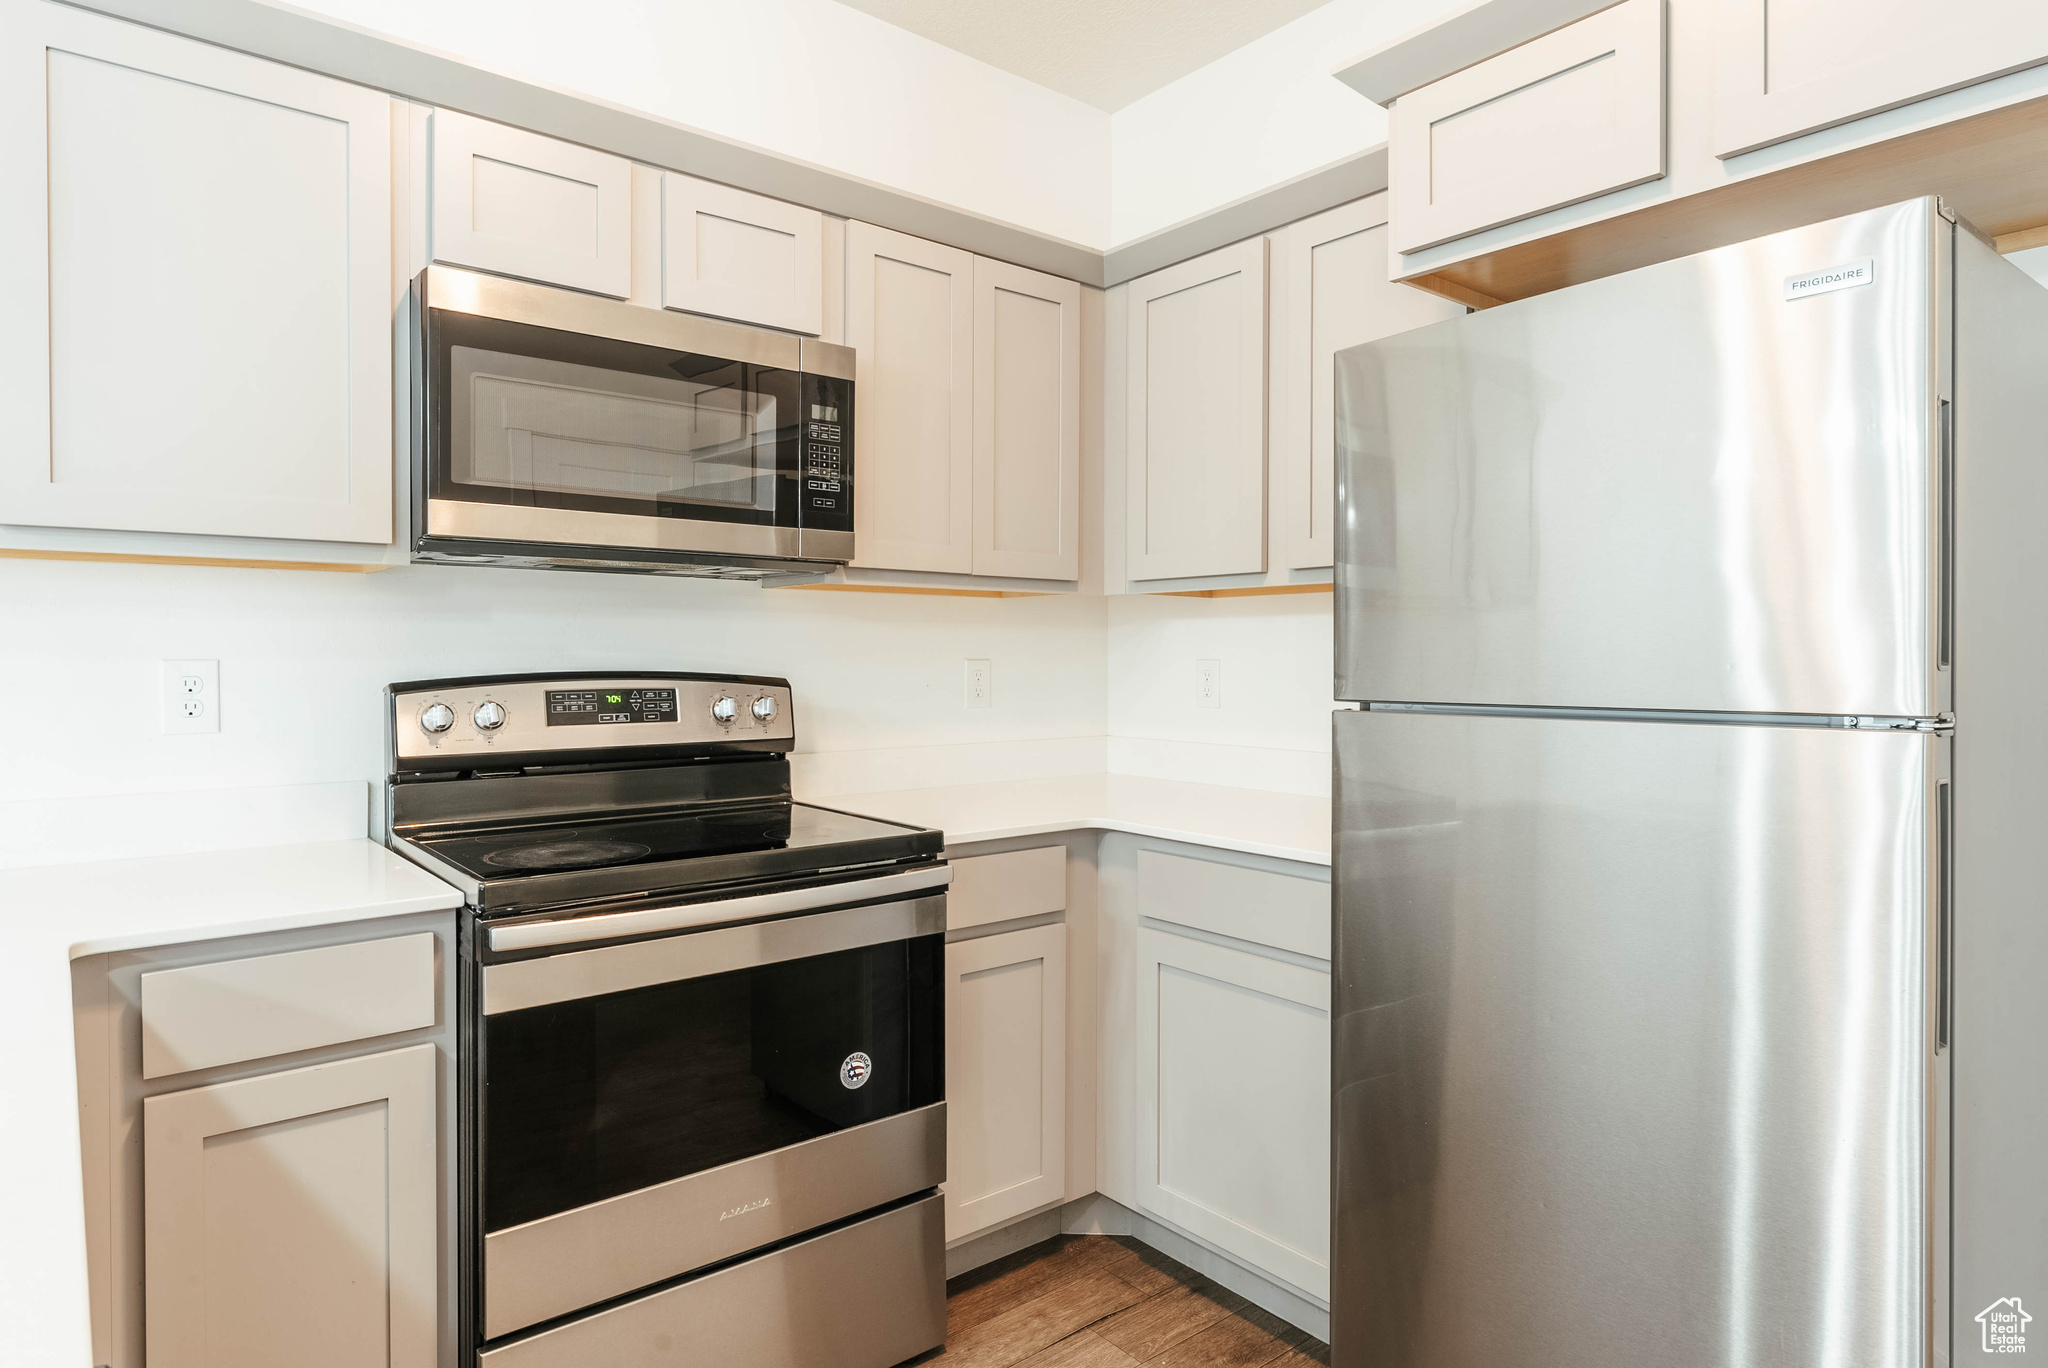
x=1097, y=1214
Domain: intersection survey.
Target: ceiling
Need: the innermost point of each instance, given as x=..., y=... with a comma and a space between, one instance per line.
x=1106, y=53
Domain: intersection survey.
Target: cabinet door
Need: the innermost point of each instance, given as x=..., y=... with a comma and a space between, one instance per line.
x=730, y=254
x=1006, y=1076
x=1576, y=113
x=1338, y=295
x=195, y=287
x=518, y=204
x=910, y=321
x=1027, y=423
x=1788, y=69
x=291, y=1218
x=1234, y=1102
x=1195, y=454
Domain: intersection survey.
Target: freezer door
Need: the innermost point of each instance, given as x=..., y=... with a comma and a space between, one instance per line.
x=1631, y=1045
x=1675, y=488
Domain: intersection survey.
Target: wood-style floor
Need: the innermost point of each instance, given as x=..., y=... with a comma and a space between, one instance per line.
x=1101, y=1301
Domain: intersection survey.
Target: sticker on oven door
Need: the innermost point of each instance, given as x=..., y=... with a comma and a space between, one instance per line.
x=856, y=1070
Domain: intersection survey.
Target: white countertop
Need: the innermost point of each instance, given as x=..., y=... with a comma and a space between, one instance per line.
x=1287, y=826
x=52, y=914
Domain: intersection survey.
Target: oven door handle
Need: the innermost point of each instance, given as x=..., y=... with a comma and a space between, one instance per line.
x=611, y=925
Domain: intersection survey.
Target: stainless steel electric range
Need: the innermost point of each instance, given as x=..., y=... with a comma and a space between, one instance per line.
x=702, y=1096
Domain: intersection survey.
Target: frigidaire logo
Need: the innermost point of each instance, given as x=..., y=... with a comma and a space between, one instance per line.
x=1846, y=276
x=755, y=1205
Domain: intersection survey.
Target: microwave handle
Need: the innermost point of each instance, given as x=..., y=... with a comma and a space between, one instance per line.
x=611, y=925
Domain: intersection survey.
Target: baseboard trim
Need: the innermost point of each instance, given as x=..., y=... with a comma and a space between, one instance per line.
x=989, y=1245
x=1096, y=1214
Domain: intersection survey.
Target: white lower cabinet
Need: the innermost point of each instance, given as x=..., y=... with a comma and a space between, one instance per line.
x=1233, y=1115
x=292, y=1218
x=1006, y=1044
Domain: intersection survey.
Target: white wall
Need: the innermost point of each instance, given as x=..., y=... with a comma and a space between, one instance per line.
x=1272, y=730
x=808, y=78
x=304, y=658
x=1253, y=118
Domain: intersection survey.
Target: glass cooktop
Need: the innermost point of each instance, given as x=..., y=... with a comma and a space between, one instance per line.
x=646, y=840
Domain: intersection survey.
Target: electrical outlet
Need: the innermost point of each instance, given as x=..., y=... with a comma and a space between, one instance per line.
x=981, y=684
x=1208, y=683
x=190, y=690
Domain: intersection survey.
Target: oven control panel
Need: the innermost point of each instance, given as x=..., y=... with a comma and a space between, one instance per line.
x=589, y=707
x=462, y=721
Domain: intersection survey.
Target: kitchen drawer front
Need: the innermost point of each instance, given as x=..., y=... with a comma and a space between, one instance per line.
x=1566, y=117
x=207, y=1015
x=518, y=204
x=867, y=1295
x=1785, y=70
x=997, y=888
x=1229, y=900
x=734, y=255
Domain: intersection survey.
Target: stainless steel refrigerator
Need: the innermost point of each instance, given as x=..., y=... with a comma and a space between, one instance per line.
x=1691, y=956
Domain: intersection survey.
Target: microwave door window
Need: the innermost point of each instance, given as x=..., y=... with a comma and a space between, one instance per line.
x=551, y=432
x=732, y=452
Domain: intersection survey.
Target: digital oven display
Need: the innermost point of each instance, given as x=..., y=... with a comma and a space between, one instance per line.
x=579, y=707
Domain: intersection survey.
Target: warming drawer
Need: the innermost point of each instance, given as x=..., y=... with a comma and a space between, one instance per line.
x=866, y=1295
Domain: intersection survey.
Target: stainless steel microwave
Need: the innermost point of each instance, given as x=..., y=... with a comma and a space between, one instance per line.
x=563, y=431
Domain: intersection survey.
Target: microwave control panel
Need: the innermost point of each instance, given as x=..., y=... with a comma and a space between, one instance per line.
x=825, y=454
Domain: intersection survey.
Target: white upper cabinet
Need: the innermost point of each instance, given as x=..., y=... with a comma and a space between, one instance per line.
x=1569, y=116
x=195, y=287
x=1784, y=69
x=910, y=321
x=736, y=255
x=518, y=204
x=1027, y=423
x=1195, y=411
x=1334, y=269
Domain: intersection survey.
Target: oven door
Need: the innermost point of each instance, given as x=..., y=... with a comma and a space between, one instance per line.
x=649, y=1108
x=552, y=421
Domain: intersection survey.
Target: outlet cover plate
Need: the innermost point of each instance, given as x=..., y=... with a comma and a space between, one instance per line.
x=190, y=690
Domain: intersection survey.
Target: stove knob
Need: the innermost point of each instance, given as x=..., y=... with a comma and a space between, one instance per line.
x=725, y=709
x=436, y=718
x=488, y=716
x=764, y=709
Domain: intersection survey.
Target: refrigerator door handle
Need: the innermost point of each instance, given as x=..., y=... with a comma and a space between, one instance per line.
x=1946, y=606
x=1944, y=904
